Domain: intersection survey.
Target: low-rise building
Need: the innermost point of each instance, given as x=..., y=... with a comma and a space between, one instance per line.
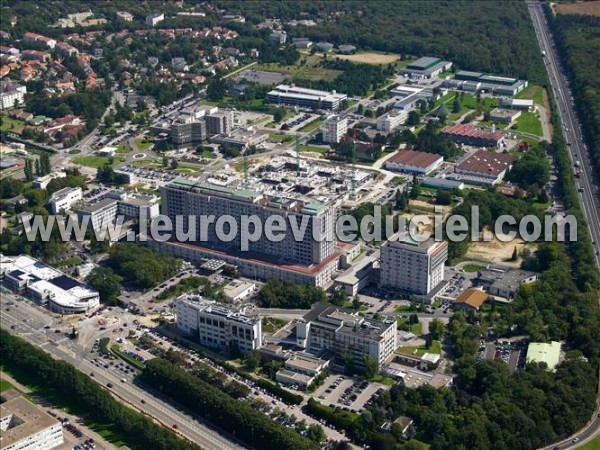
x=61, y=200
x=304, y=43
x=504, y=115
x=346, y=49
x=47, y=286
x=426, y=67
x=124, y=15
x=392, y=120
x=26, y=426
x=324, y=47
x=153, y=19
x=135, y=205
x=341, y=332
x=505, y=283
x=470, y=300
x=413, y=161
x=471, y=135
x=307, y=98
x=217, y=326
x=12, y=95
x=238, y=290
x=484, y=167
x=301, y=369
x=520, y=104
x=43, y=181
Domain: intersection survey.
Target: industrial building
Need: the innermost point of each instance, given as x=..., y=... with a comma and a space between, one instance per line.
x=471, y=135
x=476, y=81
x=412, y=161
x=217, y=326
x=484, y=167
x=306, y=98
x=334, y=128
x=61, y=200
x=426, y=67
x=26, y=426
x=413, y=267
x=47, y=286
x=329, y=329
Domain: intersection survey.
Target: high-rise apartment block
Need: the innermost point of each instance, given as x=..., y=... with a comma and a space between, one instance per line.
x=413, y=267
x=334, y=128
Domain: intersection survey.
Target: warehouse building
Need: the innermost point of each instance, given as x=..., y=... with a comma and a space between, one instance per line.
x=485, y=168
x=412, y=161
x=490, y=83
x=426, y=67
x=470, y=135
x=306, y=98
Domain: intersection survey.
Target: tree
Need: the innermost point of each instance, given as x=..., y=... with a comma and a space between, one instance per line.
x=401, y=200
x=28, y=170
x=349, y=367
x=371, y=366
x=415, y=190
x=315, y=433
x=456, y=105
x=436, y=329
x=216, y=89
x=339, y=297
x=174, y=164
x=360, y=109
x=278, y=115
x=107, y=283
x=413, y=118
x=443, y=198
x=253, y=360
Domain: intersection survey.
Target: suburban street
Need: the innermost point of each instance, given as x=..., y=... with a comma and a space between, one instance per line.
x=589, y=193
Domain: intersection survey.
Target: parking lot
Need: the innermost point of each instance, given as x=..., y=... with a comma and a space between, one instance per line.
x=347, y=393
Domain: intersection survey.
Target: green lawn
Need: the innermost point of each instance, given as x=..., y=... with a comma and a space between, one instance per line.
x=314, y=148
x=436, y=348
x=10, y=124
x=142, y=143
x=123, y=148
x=272, y=324
x=472, y=268
x=95, y=161
x=468, y=102
x=280, y=137
x=529, y=122
x=533, y=92
x=398, y=180
x=416, y=329
x=116, y=349
x=594, y=444
x=5, y=385
x=311, y=126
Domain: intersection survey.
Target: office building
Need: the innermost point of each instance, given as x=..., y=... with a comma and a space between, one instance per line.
x=334, y=128
x=133, y=205
x=61, y=200
x=47, y=286
x=43, y=181
x=476, y=81
x=392, y=120
x=153, y=19
x=470, y=135
x=329, y=329
x=101, y=214
x=413, y=267
x=412, y=161
x=26, y=426
x=185, y=197
x=504, y=282
x=187, y=130
x=484, y=167
x=220, y=122
x=12, y=94
x=301, y=369
x=305, y=98
x=217, y=326
x=426, y=67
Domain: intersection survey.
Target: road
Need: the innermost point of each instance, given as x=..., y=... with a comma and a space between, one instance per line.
x=27, y=322
x=590, y=201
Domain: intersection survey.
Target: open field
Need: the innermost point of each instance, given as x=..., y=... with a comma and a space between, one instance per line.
x=496, y=251
x=371, y=58
x=533, y=92
x=308, y=71
x=10, y=124
x=529, y=122
x=95, y=161
x=587, y=8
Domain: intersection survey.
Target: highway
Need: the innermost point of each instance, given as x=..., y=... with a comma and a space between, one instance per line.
x=26, y=321
x=589, y=193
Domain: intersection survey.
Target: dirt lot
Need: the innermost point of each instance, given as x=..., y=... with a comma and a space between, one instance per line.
x=496, y=251
x=370, y=58
x=589, y=8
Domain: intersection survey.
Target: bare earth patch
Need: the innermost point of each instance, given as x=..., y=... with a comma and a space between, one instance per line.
x=496, y=251
x=370, y=58
x=587, y=8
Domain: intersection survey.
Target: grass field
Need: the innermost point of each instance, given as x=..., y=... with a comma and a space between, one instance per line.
x=123, y=148
x=142, y=143
x=436, y=348
x=529, y=122
x=311, y=126
x=468, y=102
x=310, y=70
x=5, y=385
x=594, y=444
x=10, y=124
x=371, y=58
x=272, y=324
x=95, y=161
x=472, y=268
x=533, y=92
x=314, y=148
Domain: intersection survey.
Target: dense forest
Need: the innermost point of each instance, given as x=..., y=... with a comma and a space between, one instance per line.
x=79, y=391
x=578, y=40
x=483, y=35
